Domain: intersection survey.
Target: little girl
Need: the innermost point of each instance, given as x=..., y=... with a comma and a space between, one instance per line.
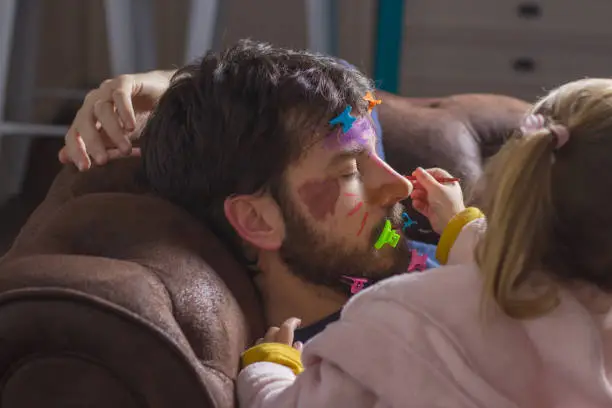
x=522, y=319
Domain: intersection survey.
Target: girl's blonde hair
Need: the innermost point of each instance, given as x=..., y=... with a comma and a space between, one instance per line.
x=549, y=210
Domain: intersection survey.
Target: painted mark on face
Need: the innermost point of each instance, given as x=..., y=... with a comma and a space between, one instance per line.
x=363, y=222
x=380, y=163
x=320, y=197
x=361, y=133
x=350, y=194
x=355, y=209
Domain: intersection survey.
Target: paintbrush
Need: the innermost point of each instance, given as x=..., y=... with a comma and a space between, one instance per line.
x=438, y=179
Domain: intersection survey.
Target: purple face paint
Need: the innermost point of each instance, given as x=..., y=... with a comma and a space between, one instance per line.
x=362, y=132
x=320, y=197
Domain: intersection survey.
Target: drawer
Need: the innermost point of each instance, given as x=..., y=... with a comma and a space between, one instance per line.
x=527, y=63
x=573, y=16
x=429, y=86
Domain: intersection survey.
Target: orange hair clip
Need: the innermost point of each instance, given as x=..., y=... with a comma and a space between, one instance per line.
x=369, y=97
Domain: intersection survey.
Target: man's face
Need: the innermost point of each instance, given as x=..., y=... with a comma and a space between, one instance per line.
x=335, y=202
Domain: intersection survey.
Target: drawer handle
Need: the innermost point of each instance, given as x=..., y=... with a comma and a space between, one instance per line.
x=529, y=10
x=524, y=65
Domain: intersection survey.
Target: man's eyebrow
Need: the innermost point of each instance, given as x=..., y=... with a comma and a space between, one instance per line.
x=346, y=154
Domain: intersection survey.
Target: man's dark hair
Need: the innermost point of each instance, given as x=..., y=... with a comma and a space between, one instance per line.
x=232, y=123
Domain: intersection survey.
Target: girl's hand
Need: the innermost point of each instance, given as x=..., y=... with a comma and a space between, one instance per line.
x=438, y=202
x=283, y=334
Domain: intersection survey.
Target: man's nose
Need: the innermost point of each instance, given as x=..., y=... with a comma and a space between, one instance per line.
x=389, y=187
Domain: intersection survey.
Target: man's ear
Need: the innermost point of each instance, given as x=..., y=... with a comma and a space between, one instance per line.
x=257, y=219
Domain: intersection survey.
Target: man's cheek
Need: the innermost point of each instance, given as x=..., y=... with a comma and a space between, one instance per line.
x=320, y=197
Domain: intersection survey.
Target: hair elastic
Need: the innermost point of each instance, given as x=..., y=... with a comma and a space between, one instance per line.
x=536, y=122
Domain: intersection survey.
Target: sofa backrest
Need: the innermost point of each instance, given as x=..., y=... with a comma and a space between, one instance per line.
x=100, y=246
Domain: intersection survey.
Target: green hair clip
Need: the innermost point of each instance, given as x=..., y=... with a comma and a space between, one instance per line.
x=387, y=236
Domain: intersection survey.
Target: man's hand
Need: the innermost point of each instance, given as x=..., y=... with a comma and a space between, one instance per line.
x=438, y=202
x=105, y=125
x=283, y=334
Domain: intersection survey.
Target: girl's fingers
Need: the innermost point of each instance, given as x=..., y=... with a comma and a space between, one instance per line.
x=270, y=336
x=418, y=194
x=285, y=334
x=420, y=206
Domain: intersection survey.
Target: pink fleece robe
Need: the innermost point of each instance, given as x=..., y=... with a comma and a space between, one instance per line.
x=419, y=340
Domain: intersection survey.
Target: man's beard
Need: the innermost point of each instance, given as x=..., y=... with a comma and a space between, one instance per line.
x=318, y=260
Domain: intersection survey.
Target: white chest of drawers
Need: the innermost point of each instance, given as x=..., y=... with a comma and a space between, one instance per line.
x=520, y=48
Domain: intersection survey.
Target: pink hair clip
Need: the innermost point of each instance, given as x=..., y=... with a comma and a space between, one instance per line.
x=536, y=122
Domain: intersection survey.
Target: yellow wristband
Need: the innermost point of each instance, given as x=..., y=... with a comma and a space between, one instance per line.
x=278, y=353
x=452, y=230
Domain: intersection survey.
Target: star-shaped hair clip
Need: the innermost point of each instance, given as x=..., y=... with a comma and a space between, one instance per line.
x=372, y=103
x=408, y=222
x=345, y=118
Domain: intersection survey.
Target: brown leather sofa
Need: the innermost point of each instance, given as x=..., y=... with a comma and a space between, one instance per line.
x=111, y=297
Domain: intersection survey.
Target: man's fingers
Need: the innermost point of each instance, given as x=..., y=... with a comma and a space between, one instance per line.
x=75, y=151
x=104, y=112
x=84, y=162
x=122, y=99
x=62, y=155
x=114, y=154
x=89, y=133
x=287, y=329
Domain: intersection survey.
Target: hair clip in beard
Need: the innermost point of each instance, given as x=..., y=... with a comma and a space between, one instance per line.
x=357, y=284
x=387, y=236
x=408, y=222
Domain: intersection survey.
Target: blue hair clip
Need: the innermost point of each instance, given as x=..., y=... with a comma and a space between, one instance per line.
x=345, y=118
x=408, y=222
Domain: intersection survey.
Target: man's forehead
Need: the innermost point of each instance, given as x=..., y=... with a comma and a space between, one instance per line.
x=361, y=133
x=360, y=137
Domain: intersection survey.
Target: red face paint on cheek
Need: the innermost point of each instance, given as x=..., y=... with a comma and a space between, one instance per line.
x=320, y=197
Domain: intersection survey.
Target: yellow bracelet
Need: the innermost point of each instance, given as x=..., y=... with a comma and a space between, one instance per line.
x=278, y=353
x=452, y=230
